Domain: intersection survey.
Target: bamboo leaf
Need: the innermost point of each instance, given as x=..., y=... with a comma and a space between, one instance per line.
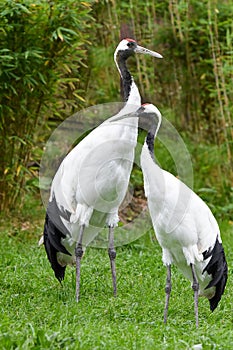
x=42, y=78
x=79, y=97
x=18, y=170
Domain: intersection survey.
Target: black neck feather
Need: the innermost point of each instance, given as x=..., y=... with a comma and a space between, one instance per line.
x=150, y=142
x=127, y=79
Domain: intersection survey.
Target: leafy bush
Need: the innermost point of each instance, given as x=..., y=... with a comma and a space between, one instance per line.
x=42, y=51
x=45, y=51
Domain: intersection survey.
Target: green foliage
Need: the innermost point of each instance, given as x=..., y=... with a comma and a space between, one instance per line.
x=217, y=191
x=57, y=57
x=192, y=86
x=42, y=51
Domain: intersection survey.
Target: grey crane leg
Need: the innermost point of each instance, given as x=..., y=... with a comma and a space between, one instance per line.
x=112, y=256
x=78, y=255
x=168, y=288
x=195, y=287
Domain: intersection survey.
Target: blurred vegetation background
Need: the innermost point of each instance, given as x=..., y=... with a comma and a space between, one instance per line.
x=57, y=58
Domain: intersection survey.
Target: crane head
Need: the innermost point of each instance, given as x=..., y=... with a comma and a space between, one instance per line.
x=149, y=117
x=151, y=109
x=128, y=47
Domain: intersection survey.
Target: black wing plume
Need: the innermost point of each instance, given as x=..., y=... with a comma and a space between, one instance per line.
x=54, y=231
x=217, y=267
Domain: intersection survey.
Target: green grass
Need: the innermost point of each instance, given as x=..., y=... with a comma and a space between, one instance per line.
x=37, y=313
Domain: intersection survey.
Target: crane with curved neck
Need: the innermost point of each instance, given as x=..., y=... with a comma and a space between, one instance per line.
x=184, y=226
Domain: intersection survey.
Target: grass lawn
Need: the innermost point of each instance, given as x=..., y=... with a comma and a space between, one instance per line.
x=37, y=313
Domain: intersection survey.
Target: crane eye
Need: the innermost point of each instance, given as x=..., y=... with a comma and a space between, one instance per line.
x=131, y=44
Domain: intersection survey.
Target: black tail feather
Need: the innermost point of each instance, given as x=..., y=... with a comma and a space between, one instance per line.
x=51, y=251
x=217, y=267
x=54, y=231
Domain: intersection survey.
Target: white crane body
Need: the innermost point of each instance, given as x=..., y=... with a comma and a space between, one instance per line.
x=183, y=223
x=92, y=180
x=99, y=183
x=185, y=227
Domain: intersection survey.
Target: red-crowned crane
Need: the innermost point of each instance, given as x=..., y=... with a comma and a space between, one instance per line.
x=92, y=180
x=184, y=225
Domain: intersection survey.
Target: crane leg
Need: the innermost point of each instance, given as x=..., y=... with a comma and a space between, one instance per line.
x=168, y=288
x=78, y=255
x=112, y=256
x=195, y=287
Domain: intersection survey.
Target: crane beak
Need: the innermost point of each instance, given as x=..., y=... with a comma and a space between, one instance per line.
x=135, y=114
x=143, y=50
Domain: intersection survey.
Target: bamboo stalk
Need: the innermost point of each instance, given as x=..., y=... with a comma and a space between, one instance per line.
x=216, y=66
